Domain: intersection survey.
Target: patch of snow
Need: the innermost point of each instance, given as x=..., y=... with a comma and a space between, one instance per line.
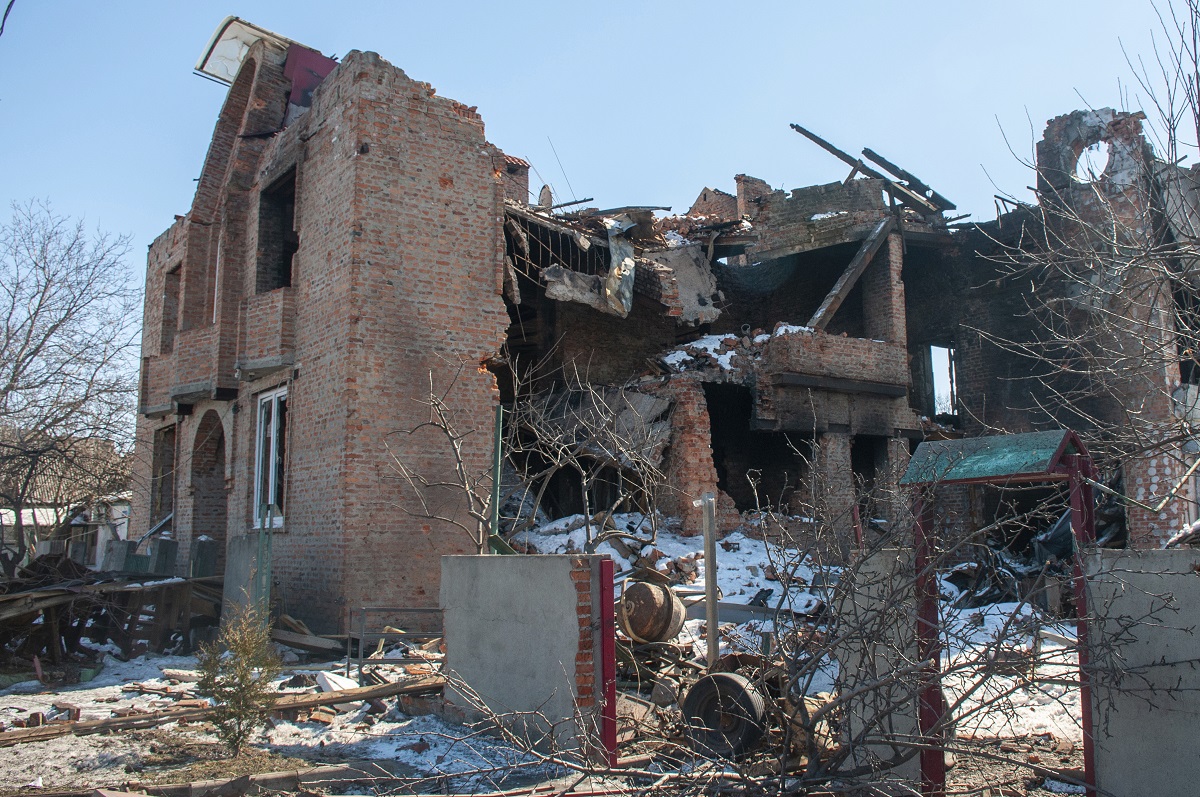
x=829, y=214
x=763, y=338
x=675, y=240
x=790, y=329
x=1182, y=534
x=710, y=344
x=742, y=562
x=466, y=759
x=1058, y=787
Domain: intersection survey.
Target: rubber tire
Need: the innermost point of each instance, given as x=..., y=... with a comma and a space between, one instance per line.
x=725, y=715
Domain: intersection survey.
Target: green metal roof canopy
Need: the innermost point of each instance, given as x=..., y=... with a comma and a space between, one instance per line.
x=1032, y=457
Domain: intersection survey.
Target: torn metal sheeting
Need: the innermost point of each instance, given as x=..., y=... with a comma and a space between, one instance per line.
x=695, y=282
x=1018, y=457
x=618, y=285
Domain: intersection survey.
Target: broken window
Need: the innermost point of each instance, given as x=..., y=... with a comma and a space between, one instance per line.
x=277, y=237
x=270, y=457
x=170, y=310
x=945, y=394
x=162, y=474
x=934, y=388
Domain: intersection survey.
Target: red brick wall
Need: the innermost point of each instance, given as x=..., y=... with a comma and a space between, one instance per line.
x=689, y=468
x=398, y=212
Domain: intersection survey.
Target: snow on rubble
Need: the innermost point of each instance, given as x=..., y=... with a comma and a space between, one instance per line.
x=1005, y=705
x=745, y=565
x=723, y=350
x=1018, y=701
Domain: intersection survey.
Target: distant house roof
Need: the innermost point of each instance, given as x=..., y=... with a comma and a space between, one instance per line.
x=76, y=471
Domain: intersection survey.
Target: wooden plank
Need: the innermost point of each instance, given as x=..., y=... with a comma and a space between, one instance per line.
x=857, y=266
x=907, y=196
x=910, y=178
x=430, y=683
x=307, y=642
x=841, y=385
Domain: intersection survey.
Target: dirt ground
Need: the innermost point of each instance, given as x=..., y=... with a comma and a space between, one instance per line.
x=1023, y=773
x=162, y=756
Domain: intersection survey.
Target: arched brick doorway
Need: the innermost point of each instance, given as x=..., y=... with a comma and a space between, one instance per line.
x=209, y=497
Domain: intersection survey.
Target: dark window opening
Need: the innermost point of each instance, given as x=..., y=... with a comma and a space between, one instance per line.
x=1018, y=514
x=869, y=462
x=602, y=489
x=162, y=475
x=170, y=310
x=757, y=469
x=278, y=240
x=1187, y=333
x=791, y=289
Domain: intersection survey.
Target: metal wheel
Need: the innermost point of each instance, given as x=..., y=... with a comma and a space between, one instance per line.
x=725, y=715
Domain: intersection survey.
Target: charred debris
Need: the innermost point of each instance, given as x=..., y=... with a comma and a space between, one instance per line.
x=762, y=339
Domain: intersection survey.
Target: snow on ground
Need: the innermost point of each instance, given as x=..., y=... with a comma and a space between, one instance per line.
x=1014, y=699
x=425, y=745
x=993, y=638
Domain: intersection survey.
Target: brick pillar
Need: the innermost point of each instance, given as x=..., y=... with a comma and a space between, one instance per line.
x=883, y=293
x=689, y=468
x=835, y=500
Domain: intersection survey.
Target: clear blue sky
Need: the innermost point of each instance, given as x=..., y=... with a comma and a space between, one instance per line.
x=646, y=103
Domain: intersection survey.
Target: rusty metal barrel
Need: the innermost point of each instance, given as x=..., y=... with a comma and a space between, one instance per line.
x=650, y=612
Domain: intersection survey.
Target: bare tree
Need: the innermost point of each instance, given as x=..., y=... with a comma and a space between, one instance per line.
x=602, y=446
x=1102, y=273
x=68, y=373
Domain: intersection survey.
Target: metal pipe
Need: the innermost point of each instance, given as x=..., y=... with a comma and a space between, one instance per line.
x=608, y=663
x=1083, y=525
x=708, y=503
x=931, y=709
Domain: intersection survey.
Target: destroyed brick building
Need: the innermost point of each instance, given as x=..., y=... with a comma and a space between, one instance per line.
x=355, y=241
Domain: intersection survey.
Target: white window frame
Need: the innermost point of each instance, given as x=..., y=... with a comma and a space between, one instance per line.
x=266, y=451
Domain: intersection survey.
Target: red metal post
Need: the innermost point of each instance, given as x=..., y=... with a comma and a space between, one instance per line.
x=1083, y=526
x=931, y=708
x=608, y=662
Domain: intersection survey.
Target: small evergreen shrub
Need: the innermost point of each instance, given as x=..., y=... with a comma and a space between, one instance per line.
x=236, y=671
